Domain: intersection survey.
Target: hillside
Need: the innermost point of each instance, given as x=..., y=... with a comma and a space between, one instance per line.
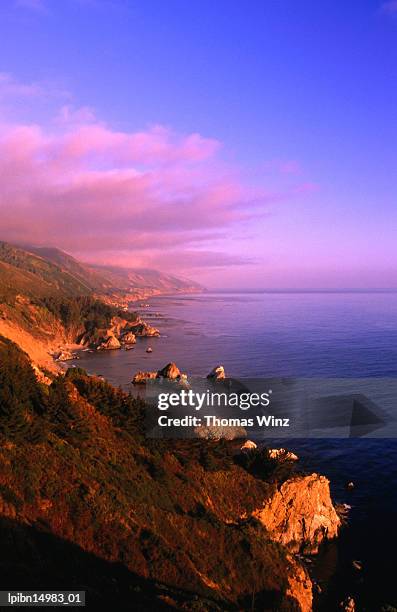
x=144, y=278
x=29, y=274
x=48, y=299
x=87, y=502
x=113, y=279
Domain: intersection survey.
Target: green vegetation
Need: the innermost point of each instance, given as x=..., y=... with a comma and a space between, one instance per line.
x=85, y=311
x=21, y=397
x=258, y=463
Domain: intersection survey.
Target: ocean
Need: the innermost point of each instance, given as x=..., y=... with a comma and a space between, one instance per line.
x=313, y=335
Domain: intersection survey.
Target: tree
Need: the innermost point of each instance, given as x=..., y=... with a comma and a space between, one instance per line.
x=21, y=398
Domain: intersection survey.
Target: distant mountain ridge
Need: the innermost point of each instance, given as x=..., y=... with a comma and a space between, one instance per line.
x=27, y=273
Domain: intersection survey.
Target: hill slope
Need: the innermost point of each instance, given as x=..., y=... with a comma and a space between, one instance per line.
x=111, y=279
x=26, y=273
x=83, y=492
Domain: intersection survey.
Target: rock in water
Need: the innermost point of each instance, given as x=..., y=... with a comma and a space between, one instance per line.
x=300, y=514
x=141, y=378
x=64, y=355
x=282, y=455
x=109, y=343
x=143, y=329
x=218, y=373
x=129, y=338
x=170, y=371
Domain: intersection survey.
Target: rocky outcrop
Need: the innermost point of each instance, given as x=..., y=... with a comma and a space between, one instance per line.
x=248, y=445
x=300, y=514
x=64, y=355
x=141, y=328
x=141, y=378
x=109, y=343
x=217, y=373
x=281, y=454
x=300, y=587
x=128, y=338
x=170, y=371
x=123, y=330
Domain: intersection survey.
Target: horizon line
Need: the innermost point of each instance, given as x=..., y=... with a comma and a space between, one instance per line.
x=303, y=290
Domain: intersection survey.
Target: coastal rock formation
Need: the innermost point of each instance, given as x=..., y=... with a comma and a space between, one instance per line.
x=141, y=328
x=64, y=355
x=129, y=338
x=140, y=378
x=248, y=445
x=109, y=343
x=300, y=587
x=217, y=373
x=170, y=371
x=300, y=514
x=282, y=454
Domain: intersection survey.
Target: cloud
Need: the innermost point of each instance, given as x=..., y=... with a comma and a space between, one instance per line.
x=125, y=197
x=112, y=188
x=390, y=7
x=68, y=114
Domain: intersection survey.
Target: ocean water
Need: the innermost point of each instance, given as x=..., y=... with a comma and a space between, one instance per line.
x=324, y=335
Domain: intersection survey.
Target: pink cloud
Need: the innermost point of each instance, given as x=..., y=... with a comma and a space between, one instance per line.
x=71, y=115
x=134, y=197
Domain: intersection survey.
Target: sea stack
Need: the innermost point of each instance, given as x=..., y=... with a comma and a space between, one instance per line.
x=170, y=371
x=217, y=373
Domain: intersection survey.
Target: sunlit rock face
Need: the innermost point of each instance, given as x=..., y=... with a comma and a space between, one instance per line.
x=300, y=514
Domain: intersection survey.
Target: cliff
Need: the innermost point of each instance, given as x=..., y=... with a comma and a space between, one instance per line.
x=300, y=514
x=167, y=524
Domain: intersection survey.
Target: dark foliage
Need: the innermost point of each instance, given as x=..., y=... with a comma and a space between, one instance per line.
x=125, y=411
x=21, y=397
x=258, y=463
x=94, y=314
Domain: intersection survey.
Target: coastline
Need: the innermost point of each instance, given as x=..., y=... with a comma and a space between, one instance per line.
x=314, y=455
x=360, y=460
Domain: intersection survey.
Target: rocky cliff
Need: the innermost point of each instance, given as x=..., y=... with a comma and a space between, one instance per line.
x=300, y=514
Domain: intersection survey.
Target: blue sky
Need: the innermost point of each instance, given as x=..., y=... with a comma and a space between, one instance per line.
x=300, y=96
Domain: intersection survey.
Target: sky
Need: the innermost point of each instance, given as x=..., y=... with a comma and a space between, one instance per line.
x=242, y=144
